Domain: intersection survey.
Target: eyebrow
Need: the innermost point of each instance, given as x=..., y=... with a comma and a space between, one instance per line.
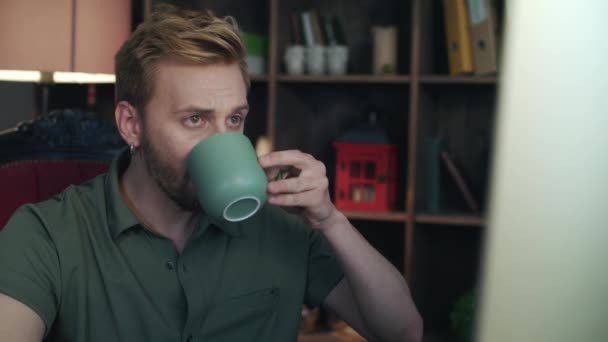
x=195, y=109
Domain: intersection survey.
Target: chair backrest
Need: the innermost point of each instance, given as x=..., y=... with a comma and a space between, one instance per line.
x=61, y=134
x=32, y=181
x=40, y=158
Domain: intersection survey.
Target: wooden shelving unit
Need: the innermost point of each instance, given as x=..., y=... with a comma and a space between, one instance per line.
x=371, y=216
x=457, y=80
x=397, y=79
x=450, y=219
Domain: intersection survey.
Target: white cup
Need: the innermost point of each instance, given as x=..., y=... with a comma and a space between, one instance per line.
x=337, y=59
x=316, y=57
x=294, y=59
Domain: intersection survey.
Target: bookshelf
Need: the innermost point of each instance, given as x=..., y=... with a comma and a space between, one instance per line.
x=371, y=216
x=377, y=79
x=458, y=80
x=450, y=219
x=438, y=252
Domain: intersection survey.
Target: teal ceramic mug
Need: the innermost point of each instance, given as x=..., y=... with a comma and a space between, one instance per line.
x=229, y=181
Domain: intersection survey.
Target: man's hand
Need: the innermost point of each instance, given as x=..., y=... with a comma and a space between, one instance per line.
x=298, y=182
x=373, y=297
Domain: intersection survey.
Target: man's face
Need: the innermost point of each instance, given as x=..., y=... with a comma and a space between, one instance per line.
x=189, y=103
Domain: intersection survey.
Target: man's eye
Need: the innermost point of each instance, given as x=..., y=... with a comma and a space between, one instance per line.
x=193, y=120
x=236, y=120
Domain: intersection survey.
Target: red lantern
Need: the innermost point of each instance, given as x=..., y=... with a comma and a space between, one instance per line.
x=366, y=177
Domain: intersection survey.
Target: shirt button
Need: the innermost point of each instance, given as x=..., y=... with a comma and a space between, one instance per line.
x=170, y=265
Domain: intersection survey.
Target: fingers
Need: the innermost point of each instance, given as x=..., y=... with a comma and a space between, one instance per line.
x=294, y=158
x=296, y=180
x=302, y=199
x=297, y=184
x=272, y=173
x=296, y=162
x=278, y=173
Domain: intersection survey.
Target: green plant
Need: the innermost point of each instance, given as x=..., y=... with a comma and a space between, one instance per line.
x=462, y=316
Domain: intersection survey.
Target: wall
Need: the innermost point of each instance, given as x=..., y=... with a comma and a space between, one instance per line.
x=17, y=101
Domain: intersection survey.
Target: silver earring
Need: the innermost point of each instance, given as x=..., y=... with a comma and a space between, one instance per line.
x=131, y=149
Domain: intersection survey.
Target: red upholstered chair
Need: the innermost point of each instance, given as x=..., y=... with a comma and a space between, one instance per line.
x=31, y=181
x=41, y=158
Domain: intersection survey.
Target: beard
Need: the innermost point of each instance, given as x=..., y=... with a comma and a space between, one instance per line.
x=175, y=183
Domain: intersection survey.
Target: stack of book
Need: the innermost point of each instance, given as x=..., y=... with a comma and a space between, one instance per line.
x=311, y=28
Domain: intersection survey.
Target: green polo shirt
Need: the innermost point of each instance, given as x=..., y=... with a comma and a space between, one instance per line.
x=83, y=262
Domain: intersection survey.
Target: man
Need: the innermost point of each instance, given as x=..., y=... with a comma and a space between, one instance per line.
x=130, y=256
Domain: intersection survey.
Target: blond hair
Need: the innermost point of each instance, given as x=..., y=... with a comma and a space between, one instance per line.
x=170, y=32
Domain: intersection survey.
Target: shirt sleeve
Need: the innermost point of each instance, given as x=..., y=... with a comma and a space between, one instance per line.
x=29, y=264
x=324, y=270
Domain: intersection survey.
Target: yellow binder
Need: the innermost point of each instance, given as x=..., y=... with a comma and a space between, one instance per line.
x=458, y=37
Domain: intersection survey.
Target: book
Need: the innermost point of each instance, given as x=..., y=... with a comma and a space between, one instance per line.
x=296, y=33
x=432, y=174
x=483, y=30
x=328, y=30
x=338, y=31
x=316, y=27
x=307, y=29
x=458, y=178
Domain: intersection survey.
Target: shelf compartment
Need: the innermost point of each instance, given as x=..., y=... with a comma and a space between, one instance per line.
x=330, y=337
x=454, y=219
x=397, y=216
x=352, y=78
x=459, y=80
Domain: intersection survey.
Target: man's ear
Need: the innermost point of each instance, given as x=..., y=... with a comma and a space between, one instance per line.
x=128, y=122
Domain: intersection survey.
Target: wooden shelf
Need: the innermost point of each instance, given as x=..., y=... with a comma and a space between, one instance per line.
x=390, y=79
x=318, y=338
x=340, y=332
x=337, y=337
x=460, y=80
x=329, y=337
x=434, y=336
x=451, y=219
x=372, y=216
x=345, y=335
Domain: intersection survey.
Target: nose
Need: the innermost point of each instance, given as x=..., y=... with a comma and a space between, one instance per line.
x=222, y=128
x=219, y=127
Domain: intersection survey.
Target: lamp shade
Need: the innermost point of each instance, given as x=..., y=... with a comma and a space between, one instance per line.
x=62, y=35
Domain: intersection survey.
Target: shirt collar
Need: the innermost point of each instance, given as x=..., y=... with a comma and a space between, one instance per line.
x=121, y=218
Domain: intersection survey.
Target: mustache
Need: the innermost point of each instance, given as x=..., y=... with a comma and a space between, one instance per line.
x=187, y=177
